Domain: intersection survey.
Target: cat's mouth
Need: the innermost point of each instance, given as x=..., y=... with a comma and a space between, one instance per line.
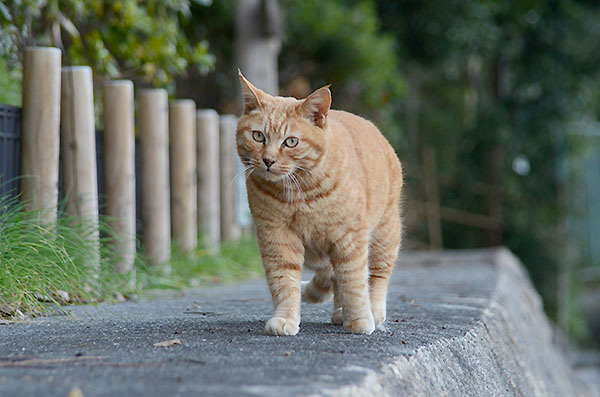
x=271, y=174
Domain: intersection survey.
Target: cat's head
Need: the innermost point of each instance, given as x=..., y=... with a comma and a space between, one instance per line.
x=278, y=136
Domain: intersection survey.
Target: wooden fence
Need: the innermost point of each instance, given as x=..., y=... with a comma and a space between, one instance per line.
x=10, y=150
x=187, y=170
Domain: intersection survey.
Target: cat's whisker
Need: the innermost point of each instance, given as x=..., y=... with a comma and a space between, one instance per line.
x=284, y=183
x=303, y=181
x=300, y=191
x=289, y=189
x=242, y=171
x=283, y=188
x=252, y=169
x=304, y=169
x=307, y=173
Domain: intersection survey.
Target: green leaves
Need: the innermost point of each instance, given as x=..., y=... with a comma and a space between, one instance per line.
x=340, y=42
x=5, y=13
x=10, y=84
x=506, y=77
x=120, y=38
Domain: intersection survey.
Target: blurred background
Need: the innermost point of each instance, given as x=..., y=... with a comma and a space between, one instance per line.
x=492, y=105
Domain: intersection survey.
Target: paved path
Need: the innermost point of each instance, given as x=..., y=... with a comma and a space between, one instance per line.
x=108, y=350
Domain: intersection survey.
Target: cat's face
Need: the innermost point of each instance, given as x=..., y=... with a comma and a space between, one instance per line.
x=278, y=136
x=276, y=142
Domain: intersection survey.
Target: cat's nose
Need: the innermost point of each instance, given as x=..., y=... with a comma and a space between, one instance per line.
x=268, y=162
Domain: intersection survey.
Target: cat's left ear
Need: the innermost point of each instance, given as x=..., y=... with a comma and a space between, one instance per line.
x=316, y=106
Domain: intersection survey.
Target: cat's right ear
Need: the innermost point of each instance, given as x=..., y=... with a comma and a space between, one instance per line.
x=251, y=94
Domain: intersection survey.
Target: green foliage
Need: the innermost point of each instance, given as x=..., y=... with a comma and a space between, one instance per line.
x=339, y=43
x=121, y=38
x=496, y=82
x=40, y=263
x=10, y=83
x=325, y=42
x=236, y=260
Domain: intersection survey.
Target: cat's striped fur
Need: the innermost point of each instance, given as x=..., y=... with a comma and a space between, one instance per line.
x=328, y=200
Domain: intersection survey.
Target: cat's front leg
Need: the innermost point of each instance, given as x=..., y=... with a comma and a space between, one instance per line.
x=349, y=260
x=282, y=255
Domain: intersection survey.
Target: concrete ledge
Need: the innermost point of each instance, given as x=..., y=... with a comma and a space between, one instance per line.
x=459, y=323
x=509, y=351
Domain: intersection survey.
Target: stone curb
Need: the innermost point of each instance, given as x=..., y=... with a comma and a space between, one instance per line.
x=509, y=352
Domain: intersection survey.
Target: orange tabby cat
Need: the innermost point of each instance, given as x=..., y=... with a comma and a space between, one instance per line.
x=324, y=191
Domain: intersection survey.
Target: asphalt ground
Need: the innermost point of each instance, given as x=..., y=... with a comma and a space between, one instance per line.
x=109, y=350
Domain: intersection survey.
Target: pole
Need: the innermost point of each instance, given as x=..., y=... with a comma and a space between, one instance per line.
x=229, y=228
x=119, y=169
x=40, y=137
x=182, y=128
x=154, y=135
x=78, y=152
x=207, y=151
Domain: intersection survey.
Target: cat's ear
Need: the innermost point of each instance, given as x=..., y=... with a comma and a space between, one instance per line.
x=252, y=95
x=316, y=106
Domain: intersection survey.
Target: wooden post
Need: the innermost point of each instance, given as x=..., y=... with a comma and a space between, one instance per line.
x=78, y=152
x=182, y=128
x=207, y=150
x=154, y=134
x=229, y=228
x=40, y=139
x=119, y=169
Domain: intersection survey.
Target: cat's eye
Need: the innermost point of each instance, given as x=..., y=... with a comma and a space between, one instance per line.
x=291, y=141
x=258, y=136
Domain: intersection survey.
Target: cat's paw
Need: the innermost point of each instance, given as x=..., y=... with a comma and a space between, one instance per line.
x=360, y=326
x=337, y=317
x=282, y=326
x=379, y=316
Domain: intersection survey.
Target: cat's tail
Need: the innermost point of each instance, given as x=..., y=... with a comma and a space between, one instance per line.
x=317, y=290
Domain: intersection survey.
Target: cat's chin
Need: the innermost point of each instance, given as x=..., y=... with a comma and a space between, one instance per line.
x=272, y=176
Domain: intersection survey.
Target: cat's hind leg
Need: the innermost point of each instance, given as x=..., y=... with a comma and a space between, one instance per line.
x=320, y=288
x=349, y=253
x=383, y=252
x=337, y=317
x=323, y=285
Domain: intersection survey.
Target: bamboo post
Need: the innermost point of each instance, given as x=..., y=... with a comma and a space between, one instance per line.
x=78, y=152
x=40, y=136
x=229, y=228
x=182, y=128
x=119, y=169
x=207, y=151
x=154, y=135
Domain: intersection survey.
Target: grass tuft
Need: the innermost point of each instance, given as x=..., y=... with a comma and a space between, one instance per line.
x=40, y=263
x=235, y=261
x=42, y=267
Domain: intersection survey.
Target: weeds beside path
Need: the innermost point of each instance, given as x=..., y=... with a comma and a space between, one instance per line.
x=41, y=267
